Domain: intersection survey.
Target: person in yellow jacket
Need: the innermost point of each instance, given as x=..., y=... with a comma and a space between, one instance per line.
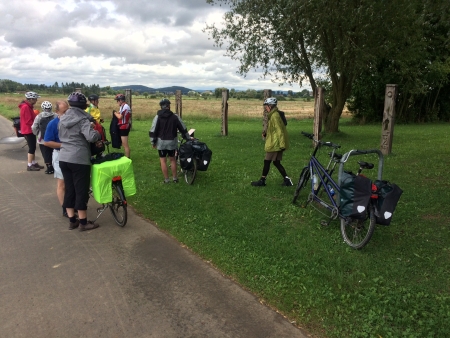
x=92, y=109
x=277, y=141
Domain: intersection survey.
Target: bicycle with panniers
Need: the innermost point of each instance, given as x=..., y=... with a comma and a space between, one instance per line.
x=354, y=199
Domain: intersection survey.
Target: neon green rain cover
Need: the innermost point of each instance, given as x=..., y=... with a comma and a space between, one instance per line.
x=103, y=173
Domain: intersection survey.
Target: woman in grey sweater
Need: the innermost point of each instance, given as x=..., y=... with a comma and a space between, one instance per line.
x=76, y=133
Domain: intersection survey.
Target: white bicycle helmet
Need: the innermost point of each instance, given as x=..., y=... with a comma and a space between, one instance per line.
x=31, y=95
x=46, y=105
x=271, y=101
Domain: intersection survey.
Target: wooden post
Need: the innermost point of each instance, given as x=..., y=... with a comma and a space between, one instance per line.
x=387, y=127
x=319, y=106
x=267, y=94
x=225, y=95
x=178, y=103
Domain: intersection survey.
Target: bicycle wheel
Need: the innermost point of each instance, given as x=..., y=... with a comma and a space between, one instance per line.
x=189, y=175
x=304, y=178
x=357, y=232
x=118, y=206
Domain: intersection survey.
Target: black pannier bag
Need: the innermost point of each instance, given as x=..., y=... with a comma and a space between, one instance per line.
x=203, y=153
x=16, y=126
x=186, y=155
x=204, y=160
x=355, y=193
x=388, y=197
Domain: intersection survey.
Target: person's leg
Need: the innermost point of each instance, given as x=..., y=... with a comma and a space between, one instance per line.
x=286, y=180
x=164, y=168
x=31, y=142
x=60, y=187
x=262, y=181
x=125, y=145
x=82, y=181
x=60, y=190
x=69, y=192
x=173, y=167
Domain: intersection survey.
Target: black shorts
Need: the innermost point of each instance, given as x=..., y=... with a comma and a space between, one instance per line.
x=165, y=153
x=124, y=132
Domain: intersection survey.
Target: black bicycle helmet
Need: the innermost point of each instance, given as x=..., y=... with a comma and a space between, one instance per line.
x=164, y=103
x=77, y=99
x=120, y=97
x=93, y=97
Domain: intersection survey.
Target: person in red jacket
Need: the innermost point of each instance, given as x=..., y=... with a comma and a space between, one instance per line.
x=27, y=117
x=124, y=122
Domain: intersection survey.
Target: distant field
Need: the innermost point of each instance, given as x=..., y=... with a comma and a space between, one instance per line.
x=145, y=108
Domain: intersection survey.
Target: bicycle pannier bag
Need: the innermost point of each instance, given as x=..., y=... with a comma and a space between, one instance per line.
x=186, y=156
x=16, y=126
x=355, y=193
x=388, y=197
x=198, y=147
x=204, y=160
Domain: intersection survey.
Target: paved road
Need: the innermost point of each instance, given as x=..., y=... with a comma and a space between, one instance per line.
x=111, y=282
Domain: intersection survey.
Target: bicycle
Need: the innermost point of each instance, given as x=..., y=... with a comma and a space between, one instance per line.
x=118, y=204
x=356, y=232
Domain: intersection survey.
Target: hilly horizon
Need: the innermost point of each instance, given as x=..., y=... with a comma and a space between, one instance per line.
x=141, y=89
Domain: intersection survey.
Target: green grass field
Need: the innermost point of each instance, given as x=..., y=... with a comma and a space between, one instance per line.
x=396, y=286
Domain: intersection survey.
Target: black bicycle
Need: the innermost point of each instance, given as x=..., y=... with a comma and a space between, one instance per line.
x=324, y=190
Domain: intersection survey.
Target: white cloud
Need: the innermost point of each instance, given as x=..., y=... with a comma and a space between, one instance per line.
x=117, y=43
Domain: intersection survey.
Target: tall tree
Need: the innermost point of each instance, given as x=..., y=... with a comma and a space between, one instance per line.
x=309, y=41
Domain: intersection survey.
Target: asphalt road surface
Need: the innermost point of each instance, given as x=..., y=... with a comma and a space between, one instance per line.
x=134, y=281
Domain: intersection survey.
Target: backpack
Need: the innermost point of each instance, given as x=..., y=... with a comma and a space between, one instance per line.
x=283, y=117
x=43, y=123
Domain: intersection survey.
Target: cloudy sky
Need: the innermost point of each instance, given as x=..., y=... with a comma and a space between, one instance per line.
x=116, y=42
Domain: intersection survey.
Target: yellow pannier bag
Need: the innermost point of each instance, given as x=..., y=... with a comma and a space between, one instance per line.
x=102, y=176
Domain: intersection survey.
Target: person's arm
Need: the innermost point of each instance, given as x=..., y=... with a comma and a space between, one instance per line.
x=89, y=132
x=183, y=129
x=35, y=125
x=153, y=132
x=52, y=144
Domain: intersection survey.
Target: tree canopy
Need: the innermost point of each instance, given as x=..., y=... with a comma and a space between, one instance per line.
x=322, y=41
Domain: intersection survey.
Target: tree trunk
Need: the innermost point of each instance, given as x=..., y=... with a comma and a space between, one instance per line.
x=334, y=114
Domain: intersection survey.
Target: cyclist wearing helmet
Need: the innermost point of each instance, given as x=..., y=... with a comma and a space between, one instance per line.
x=163, y=136
x=124, y=122
x=277, y=142
x=76, y=133
x=27, y=117
x=39, y=127
x=92, y=109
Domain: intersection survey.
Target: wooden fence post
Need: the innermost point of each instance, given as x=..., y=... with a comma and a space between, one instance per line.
x=178, y=103
x=319, y=105
x=266, y=95
x=225, y=95
x=387, y=128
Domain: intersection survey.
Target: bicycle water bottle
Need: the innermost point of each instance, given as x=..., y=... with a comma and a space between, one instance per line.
x=315, y=182
x=330, y=188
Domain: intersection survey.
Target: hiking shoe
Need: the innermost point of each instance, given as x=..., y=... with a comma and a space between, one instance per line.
x=259, y=183
x=175, y=180
x=166, y=181
x=74, y=225
x=37, y=166
x=32, y=168
x=49, y=171
x=89, y=226
x=287, y=182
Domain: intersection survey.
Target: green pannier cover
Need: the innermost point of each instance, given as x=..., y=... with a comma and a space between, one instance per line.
x=103, y=173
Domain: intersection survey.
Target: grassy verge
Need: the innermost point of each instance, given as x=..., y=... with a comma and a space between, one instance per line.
x=398, y=285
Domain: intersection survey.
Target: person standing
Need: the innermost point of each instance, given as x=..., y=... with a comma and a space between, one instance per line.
x=76, y=133
x=92, y=109
x=124, y=122
x=163, y=136
x=277, y=141
x=51, y=140
x=27, y=117
x=39, y=126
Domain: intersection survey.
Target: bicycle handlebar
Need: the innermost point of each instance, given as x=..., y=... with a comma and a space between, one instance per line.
x=322, y=143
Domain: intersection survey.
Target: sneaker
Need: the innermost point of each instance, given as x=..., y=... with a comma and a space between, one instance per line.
x=32, y=168
x=166, y=181
x=50, y=170
x=175, y=180
x=37, y=166
x=89, y=226
x=287, y=182
x=259, y=183
x=74, y=225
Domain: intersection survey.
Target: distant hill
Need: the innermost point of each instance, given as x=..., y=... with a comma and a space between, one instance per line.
x=142, y=89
